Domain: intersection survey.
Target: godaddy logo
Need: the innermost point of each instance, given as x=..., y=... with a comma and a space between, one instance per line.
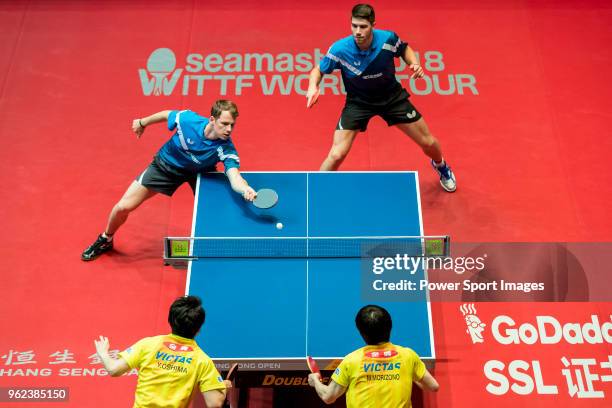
x=160, y=77
x=475, y=327
x=544, y=330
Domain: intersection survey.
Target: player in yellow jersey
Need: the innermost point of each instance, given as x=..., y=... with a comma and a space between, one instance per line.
x=170, y=366
x=378, y=375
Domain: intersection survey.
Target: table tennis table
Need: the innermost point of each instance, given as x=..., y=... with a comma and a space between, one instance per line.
x=268, y=313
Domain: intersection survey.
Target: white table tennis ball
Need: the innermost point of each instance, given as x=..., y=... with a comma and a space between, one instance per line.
x=279, y=225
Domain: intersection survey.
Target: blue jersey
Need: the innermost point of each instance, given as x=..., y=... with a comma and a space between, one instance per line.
x=189, y=151
x=368, y=75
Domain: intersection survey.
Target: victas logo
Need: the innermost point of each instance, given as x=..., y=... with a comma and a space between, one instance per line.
x=172, y=358
x=475, y=326
x=160, y=77
x=376, y=367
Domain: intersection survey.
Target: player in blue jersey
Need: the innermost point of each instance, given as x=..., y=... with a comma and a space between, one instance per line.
x=197, y=145
x=366, y=61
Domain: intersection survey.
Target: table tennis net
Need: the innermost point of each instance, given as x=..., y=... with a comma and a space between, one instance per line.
x=305, y=247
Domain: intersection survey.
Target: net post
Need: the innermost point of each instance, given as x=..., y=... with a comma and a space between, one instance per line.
x=166, y=249
x=447, y=249
x=177, y=251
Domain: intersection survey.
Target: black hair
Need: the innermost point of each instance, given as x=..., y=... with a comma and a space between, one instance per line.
x=364, y=11
x=186, y=316
x=374, y=324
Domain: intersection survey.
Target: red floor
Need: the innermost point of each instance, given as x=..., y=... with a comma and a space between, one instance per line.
x=529, y=150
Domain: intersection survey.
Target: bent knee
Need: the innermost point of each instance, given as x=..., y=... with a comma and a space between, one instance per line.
x=338, y=154
x=125, y=206
x=427, y=140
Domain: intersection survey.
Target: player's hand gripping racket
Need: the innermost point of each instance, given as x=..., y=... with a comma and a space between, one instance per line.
x=266, y=198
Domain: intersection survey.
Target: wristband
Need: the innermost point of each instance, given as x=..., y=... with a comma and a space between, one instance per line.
x=140, y=123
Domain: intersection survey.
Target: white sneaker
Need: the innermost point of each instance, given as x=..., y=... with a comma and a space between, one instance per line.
x=447, y=178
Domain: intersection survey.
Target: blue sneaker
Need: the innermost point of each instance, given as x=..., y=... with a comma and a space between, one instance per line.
x=447, y=178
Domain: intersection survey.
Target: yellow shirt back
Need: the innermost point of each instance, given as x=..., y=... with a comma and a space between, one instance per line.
x=169, y=368
x=379, y=376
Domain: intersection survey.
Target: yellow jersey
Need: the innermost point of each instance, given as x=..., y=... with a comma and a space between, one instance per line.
x=379, y=376
x=169, y=369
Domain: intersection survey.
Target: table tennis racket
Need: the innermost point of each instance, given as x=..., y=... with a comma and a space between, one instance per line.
x=312, y=365
x=232, y=372
x=313, y=99
x=230, y=377
x=266, y=198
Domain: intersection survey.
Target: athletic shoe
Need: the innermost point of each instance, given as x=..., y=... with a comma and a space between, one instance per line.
x=96, y=249
x=447, y=178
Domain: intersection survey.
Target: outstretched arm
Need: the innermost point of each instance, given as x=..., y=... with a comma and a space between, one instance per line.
x=115, y=367
x=139, y=125
x=240, y=185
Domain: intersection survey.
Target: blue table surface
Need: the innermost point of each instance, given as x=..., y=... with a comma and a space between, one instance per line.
x=286, y=308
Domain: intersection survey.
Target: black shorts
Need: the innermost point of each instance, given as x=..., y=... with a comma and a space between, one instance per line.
x=357, y=114
x=161, y=177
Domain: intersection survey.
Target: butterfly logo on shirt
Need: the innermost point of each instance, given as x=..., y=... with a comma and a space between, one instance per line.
x=189, y=141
